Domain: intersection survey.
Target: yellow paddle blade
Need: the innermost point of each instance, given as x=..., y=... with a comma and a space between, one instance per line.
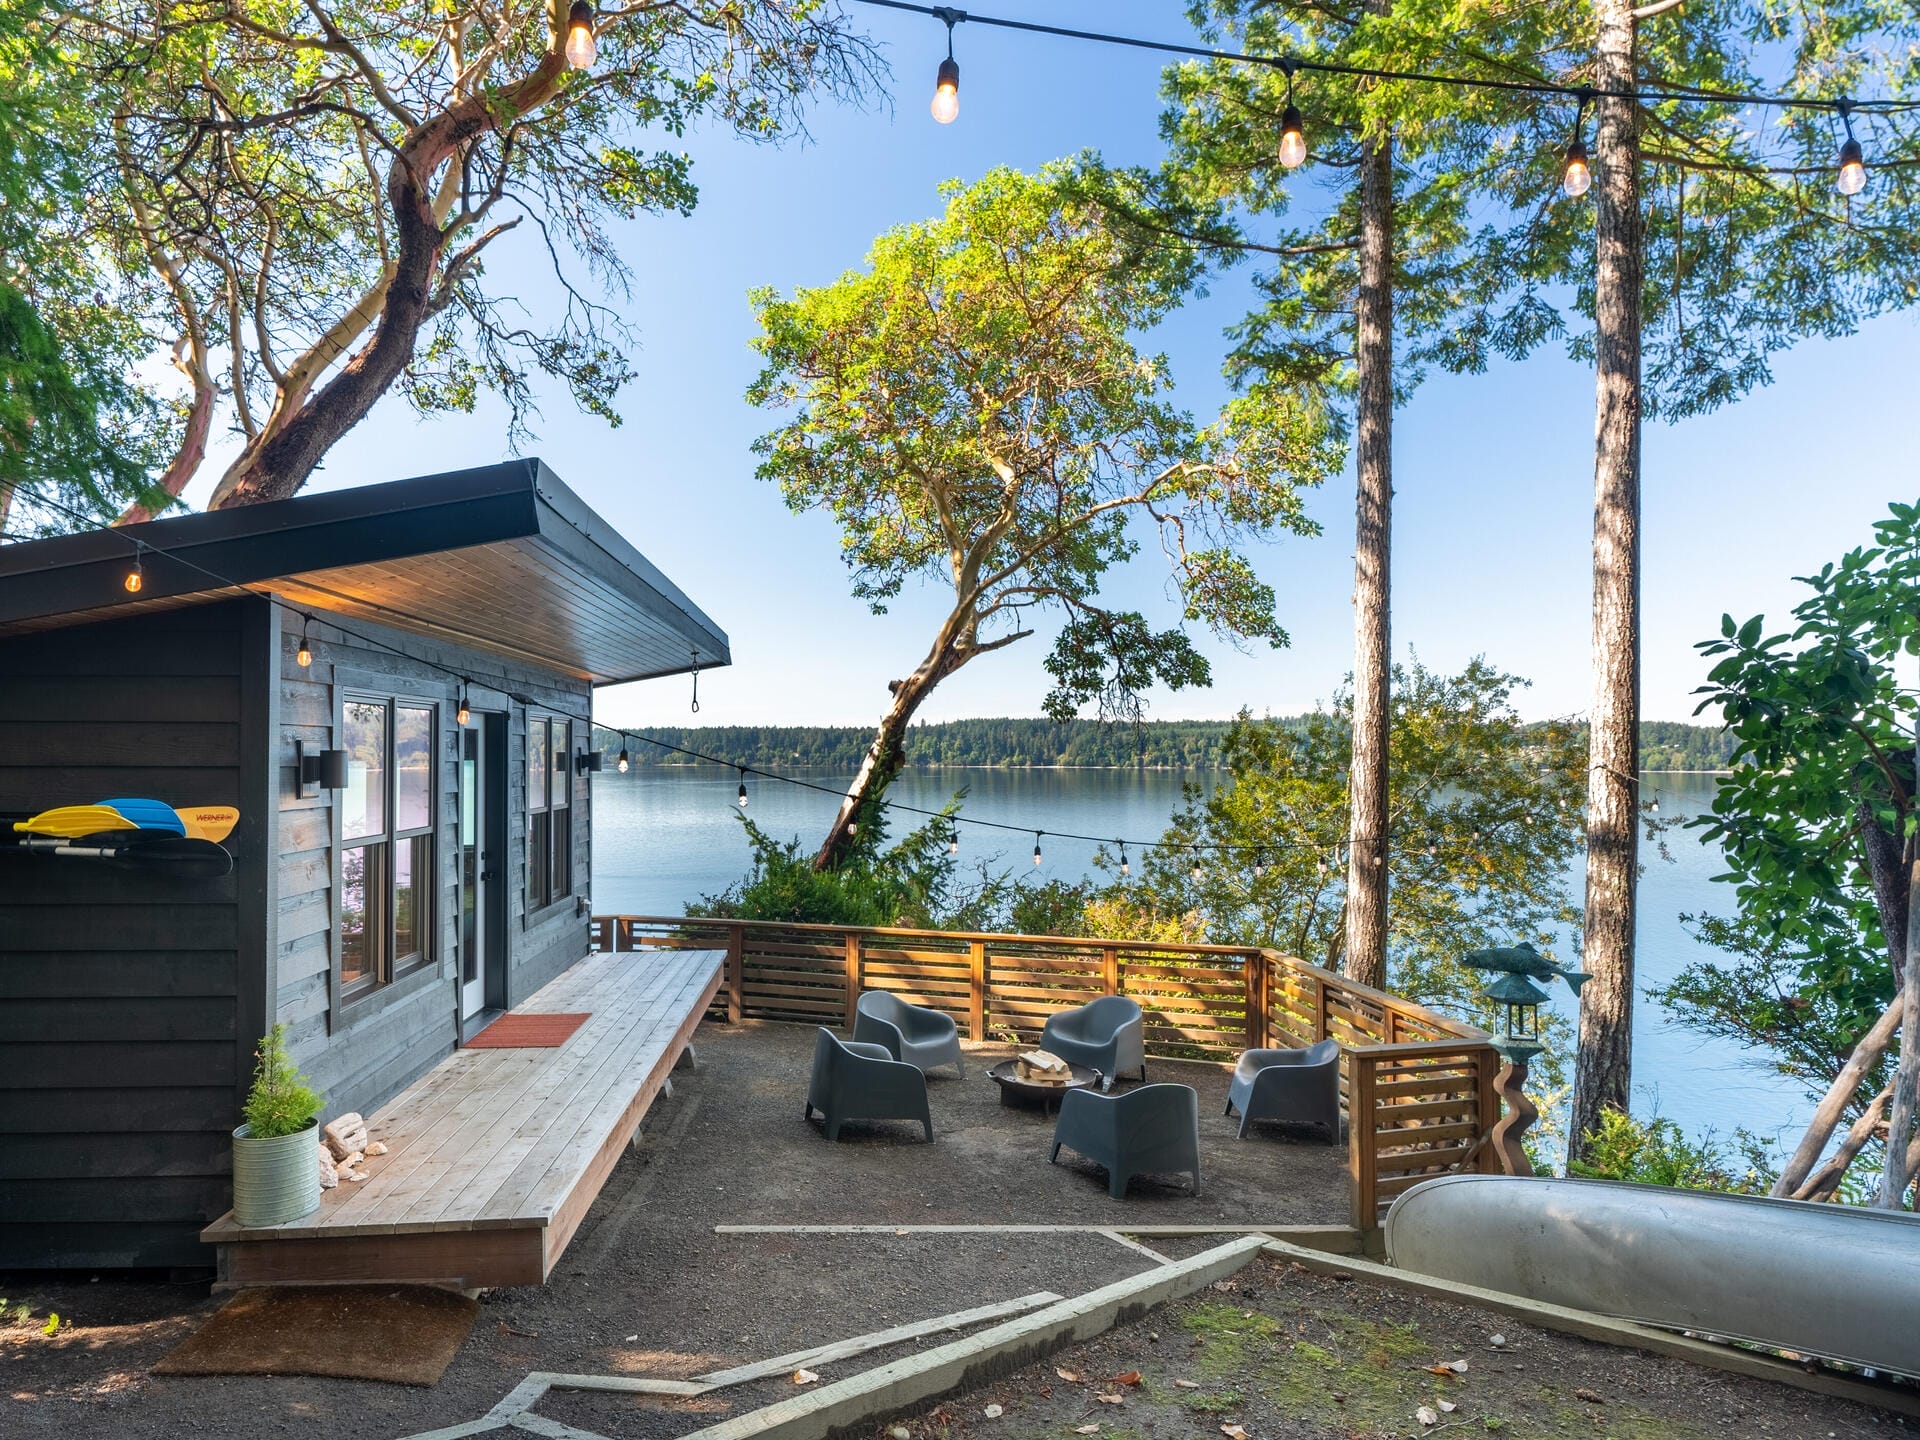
x=208, y=822
x=76, y=820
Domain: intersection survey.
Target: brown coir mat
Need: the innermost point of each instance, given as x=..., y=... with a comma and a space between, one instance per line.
x=406, y=1334
x=528, y=1032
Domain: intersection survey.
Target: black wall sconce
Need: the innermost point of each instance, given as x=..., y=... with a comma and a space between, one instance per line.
x=322, y=769
x=589, y=762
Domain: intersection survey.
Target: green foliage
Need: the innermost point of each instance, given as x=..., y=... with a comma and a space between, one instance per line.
x=1817, y=817
x=1658, y=1152
x=73, y=428
x=238, y=186
x=972, y=411
x=1747, y=248
x=1486, y=812
x=915, y=883
x=279, y=1102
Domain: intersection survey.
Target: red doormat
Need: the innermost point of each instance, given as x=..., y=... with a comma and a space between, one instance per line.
x=528, y=1032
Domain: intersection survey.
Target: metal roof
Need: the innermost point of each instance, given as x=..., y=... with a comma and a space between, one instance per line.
x=503, y=559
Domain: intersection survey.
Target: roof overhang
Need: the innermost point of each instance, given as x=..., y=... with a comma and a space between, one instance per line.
x=503, y=559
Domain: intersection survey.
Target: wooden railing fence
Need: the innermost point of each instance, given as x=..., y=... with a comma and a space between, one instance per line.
x=1418, y=1085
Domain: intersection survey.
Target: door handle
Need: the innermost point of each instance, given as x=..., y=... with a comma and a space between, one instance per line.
x=489, y=874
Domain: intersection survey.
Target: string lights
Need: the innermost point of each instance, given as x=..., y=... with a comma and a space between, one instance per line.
x=303, y=657
x=743, y=787
x=946, y=86
x=1576, y=175
x=1261, y=855
x=1293, y=132
x=1852, y=178
x=581, y=47
x=1576, y=170
x=136, y=578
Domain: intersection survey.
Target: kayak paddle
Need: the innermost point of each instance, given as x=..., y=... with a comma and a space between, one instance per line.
x=174, y=854
x=75, y=820
x=209, y=822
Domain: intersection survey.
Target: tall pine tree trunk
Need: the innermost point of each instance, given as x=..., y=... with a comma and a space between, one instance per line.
x=1606, y=1004
x=1366, y=911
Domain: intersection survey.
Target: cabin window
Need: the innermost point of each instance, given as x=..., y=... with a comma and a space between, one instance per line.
x=549, y=812
x=386, y=842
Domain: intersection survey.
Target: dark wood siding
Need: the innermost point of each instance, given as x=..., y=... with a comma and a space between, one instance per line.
x=361, y=1052
x=130, y=1003
x=126, y=1013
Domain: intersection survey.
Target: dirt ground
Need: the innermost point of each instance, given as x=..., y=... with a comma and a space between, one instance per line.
x=1280, y=1353
x=648, y=1288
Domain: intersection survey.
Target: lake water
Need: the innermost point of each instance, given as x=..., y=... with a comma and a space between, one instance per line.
x=663, y=837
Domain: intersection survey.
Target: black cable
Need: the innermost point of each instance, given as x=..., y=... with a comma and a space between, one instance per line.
x=327, y=618
x=1690, y=93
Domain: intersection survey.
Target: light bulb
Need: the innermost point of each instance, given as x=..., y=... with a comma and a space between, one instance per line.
x=1293, y=139
x=304, y=657
x=1853, y=169
x=1036, y=848
x=1194, y=873
x=580, y=43
x=953, y=843
x=743, y=790
x=853, y=827
x=624, y=761
x=946, y=92
x=135, y=579
x=1577, y=178
x=1125, y=868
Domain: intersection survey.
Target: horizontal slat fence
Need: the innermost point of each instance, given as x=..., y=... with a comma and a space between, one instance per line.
x=1418, y=1085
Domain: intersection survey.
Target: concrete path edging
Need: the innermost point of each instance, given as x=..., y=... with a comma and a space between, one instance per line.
x=889, y=1389
x=1607, y=1330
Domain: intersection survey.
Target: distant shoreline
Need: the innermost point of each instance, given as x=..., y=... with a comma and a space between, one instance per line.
x=1023, y=765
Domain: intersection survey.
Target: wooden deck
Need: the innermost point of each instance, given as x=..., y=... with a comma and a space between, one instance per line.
x=494, y=1156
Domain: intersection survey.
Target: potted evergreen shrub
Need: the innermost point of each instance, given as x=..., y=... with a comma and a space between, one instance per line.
x=276, y=1154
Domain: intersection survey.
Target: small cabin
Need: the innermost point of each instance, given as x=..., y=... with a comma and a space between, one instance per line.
x=447, y=634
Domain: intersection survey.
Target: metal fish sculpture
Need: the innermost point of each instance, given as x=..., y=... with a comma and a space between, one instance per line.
x=1523, y=959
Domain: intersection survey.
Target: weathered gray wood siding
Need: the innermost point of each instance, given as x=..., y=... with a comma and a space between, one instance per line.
x=361, y=1052
x=128, y=1000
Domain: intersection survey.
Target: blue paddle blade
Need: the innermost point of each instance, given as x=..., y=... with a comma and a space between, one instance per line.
x=149, y=815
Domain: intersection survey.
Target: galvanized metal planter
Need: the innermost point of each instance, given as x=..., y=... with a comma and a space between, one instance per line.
x=276, y=1179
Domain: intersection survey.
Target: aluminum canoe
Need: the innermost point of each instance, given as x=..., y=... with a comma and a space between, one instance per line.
x=1824, y=1280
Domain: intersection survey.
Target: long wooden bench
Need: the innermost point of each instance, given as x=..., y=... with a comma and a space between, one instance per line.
x=494, y=1156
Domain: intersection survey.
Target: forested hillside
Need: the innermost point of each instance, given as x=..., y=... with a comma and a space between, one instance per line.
x=1181, y=744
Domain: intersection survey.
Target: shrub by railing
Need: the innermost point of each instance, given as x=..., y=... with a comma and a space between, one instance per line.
x=1418, y=1085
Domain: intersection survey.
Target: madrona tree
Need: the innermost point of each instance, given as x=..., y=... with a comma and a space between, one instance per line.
x=305, y=197
x=973, y=412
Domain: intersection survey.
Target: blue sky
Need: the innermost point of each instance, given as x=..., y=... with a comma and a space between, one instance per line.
x=1494, y=473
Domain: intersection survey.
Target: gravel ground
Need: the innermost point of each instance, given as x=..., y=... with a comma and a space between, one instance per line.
x=648, y=1288
x=1280, y=1353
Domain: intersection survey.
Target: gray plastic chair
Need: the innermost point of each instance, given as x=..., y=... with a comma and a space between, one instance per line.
x=1108, y=1034
x=921, y=1038
x=853, y=1080
x=1288, y=1087
x=1150, y=1131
